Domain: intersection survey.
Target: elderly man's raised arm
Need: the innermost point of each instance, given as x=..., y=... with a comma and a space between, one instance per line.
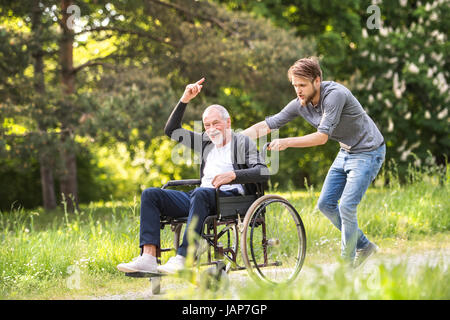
x=173, y=127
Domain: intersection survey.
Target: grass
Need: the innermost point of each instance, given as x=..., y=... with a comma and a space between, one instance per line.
x=380, y=281
x=57, y=255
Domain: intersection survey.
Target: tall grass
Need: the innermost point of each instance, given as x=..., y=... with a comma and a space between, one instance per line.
x=418, y=208
x=380, y=282
x=38, y=249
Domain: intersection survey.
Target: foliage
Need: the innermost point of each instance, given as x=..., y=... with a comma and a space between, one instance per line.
x=131, y=61
x=398, y=72
x=20, y=184
x=334, y=26
x=403, y=79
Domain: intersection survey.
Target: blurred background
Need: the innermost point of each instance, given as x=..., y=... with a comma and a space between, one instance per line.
x=87, y=86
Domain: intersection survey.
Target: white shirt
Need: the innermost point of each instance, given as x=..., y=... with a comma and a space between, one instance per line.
x=217, y=162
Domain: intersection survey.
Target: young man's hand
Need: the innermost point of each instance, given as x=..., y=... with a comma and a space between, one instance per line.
x=223, y=178
x=192, y=90
x=278, y=145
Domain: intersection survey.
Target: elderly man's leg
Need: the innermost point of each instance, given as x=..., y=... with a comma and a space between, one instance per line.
x=154, y=203
x=202, y=204
x=149, y=249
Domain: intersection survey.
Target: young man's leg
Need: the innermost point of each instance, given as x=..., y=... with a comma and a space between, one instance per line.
x=361, y=168
x=332, y=190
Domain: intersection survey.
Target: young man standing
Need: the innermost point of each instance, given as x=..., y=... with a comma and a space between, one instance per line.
x=336, y=114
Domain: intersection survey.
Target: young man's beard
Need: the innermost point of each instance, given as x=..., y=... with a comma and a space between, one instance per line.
x=309, y=98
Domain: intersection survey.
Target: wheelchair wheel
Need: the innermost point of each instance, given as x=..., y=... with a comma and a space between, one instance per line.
x=227, y=238
x=273, y=240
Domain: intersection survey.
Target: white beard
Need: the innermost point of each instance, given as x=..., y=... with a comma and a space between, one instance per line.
x=216, y=139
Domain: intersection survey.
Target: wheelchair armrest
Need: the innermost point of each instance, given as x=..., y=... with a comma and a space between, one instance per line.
x=186, y=182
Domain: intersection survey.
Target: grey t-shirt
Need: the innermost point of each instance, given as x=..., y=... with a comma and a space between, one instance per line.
x=338, y=114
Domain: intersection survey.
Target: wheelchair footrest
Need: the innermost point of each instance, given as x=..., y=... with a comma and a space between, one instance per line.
x=144, y=274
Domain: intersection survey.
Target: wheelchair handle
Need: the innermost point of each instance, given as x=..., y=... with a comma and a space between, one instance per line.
x=264, y=151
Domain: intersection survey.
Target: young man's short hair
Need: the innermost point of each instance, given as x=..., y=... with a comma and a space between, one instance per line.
x=308, y=68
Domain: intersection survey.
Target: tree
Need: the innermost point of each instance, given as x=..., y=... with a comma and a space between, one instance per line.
x=28, y=91
x=52, y=117
x=403, y=77
x=399, y=72
x=56, y=89
x=333, y=25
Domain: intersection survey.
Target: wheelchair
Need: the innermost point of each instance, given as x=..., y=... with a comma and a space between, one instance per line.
x=265, y=228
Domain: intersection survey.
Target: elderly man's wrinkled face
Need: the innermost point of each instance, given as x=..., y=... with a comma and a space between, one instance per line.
x=216, y=127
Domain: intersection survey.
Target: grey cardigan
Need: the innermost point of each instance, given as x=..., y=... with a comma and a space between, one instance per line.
x=247, y=163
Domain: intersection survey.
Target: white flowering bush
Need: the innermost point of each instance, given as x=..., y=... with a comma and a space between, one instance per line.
x=404, y=79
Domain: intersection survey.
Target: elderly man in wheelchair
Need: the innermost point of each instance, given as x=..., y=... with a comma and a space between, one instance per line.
x=230, y=167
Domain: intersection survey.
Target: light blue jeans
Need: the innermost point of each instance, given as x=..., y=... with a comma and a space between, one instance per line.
x=346, y=183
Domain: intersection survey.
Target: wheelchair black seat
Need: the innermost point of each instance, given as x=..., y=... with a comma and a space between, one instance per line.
x=234, y=206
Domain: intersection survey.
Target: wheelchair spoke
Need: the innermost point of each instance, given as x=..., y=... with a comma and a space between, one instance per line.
x=275, y=240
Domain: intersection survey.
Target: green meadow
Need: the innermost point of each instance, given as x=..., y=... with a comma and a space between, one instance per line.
x=41, y=252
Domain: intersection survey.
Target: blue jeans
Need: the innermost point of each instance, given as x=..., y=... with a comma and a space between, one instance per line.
x=347, y=181
x=156, y=202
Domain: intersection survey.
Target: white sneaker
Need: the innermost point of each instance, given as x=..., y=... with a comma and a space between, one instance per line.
x=174, y=265
x=144, y=263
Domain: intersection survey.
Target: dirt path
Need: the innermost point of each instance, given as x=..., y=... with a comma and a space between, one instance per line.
x=413, y=262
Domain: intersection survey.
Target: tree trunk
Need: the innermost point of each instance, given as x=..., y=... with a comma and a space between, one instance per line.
x=47, y=183
x=68, y=180
x=45, y=161
x=66, y=46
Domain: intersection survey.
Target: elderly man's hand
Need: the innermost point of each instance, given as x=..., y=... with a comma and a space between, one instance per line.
x=192, y=90
x=223, y=178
